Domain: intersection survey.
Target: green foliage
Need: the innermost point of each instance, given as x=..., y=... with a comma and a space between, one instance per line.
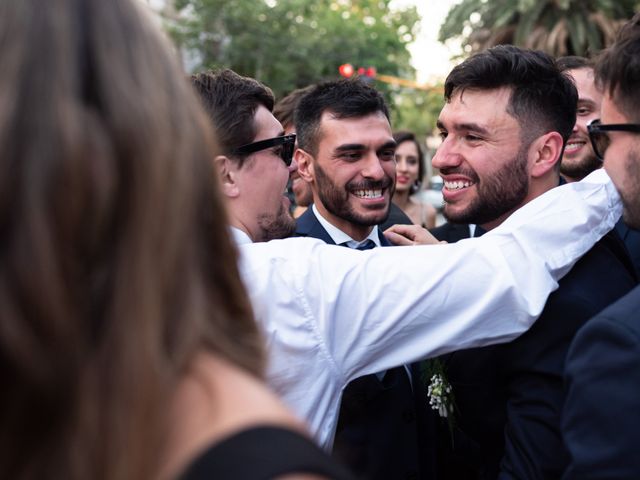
x=289, y=44
x=559, y=27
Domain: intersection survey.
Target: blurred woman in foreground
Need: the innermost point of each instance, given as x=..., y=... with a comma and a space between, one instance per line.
x=127, y=343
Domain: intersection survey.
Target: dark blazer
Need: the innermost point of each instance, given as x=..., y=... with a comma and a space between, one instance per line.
x=382, y=423
x=451, y=232
x=601, y=417
x=631, y=239
x=509, y=397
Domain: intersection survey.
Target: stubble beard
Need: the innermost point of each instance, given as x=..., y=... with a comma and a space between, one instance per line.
x=274, y=227
x=336, y=200
x=631, y=198
x=582, y=168
x=496, y=195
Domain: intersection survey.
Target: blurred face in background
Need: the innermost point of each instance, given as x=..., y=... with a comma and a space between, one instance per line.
x=578, y=159
x=407, y=165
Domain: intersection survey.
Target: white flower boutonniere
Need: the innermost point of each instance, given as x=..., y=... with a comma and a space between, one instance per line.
x=439, y=393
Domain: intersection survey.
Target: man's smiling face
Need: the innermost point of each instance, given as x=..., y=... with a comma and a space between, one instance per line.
x=354, y=171
x=578, y=159
x=482, y=159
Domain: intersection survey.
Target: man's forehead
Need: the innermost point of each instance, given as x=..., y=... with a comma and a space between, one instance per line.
x=375, y=123
x=266, y=125
x=486, y=108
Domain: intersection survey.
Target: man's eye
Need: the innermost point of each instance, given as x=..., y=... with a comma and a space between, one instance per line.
x=350, y=156
x=472, y=138
x=388, y=154
x=583, y=111
x=443, y=135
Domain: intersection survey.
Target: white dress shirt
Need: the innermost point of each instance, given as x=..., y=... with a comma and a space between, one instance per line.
x=331, y=314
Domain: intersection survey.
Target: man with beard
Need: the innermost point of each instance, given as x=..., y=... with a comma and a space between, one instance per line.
x=601, y=418
x=507, y=116
x=256, y=162
x=331, y=314
x=346, y=153
x=579, y=159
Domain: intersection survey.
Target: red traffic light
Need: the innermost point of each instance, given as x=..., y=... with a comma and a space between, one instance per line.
x=346, y=70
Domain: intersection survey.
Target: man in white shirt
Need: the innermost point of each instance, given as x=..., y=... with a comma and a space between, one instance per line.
x=332, y=314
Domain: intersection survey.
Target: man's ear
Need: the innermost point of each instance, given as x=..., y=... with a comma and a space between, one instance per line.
x=547, y=151
x=227, y=171
x=305, y=165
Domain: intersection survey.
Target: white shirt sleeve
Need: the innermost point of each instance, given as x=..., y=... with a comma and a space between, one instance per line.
x=334, y=314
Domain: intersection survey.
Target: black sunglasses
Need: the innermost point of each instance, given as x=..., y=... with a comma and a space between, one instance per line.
x=600, y=138
x=286, y=152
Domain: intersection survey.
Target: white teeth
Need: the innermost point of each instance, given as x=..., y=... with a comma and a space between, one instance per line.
x=574, y=145
x=457, y=185
x=368, y=193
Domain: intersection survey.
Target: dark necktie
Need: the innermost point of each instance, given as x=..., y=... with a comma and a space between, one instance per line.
x=479, y=231
x=366, y=245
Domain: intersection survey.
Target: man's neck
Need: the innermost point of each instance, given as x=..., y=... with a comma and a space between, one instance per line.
x=356, y=232
x=338, y=234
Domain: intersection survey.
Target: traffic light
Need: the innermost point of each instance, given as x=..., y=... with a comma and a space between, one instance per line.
x=346, y=70
x=367, y=73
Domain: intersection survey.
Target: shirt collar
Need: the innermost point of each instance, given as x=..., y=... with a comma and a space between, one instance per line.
x=339, y=237
x=239, y=236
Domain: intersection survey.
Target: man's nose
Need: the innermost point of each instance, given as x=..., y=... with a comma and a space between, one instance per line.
x=446, y=156
x=372, y=167
x=293, y=167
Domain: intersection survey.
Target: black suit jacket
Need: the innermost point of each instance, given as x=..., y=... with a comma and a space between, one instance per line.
x=451, y=232
x=601, y=417
x=509, y=397
x=382, y=423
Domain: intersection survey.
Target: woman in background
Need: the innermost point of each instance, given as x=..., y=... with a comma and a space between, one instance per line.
x=127, y=343
x=409, y=174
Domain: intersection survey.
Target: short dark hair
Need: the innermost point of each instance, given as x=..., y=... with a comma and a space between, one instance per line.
x=574, y=62
x=406, y=136
x=231, y=101
x=284, y=109
x=618, y=69
x=344, y=98
x=541, y=96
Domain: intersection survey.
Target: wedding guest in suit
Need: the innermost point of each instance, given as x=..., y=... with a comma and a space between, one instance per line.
x=601, y=419
x=579, y=159
x=346, y=154
x=507, y=116
x=409, y=175
x=127, y=342
x=333, y=314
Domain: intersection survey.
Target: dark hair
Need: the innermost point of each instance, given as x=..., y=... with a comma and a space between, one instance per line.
x=284, y=109
x=344, y=98
x=618, y=69
x=542, y=98
x=115, y=269
x=574, y=62
x=406, y=136
x=231, y=102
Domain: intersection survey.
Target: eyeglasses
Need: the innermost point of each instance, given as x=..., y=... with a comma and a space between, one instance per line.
x=286, y=152
x=600, y=138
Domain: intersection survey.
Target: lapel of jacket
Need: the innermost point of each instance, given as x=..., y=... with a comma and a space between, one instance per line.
x=308, y=225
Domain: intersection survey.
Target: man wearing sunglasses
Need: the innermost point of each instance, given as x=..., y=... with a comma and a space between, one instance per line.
x=601, y=416
x=579, y=158
x=331, y=314
x=256, y=159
